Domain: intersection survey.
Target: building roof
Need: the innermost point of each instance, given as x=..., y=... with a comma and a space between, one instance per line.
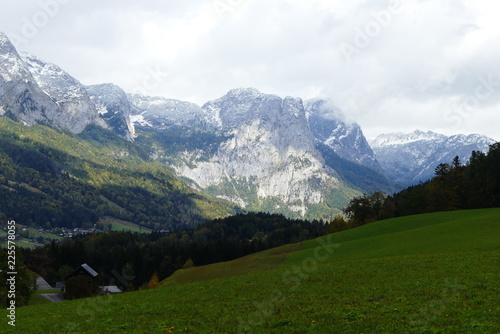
x=82, y=270
x=91, y=271
x=42, y=284
x=110, y=289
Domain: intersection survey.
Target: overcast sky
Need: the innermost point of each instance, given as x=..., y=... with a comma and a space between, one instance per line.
x=389, y=65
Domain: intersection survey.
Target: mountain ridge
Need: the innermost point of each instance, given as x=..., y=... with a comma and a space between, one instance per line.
x=411, y=158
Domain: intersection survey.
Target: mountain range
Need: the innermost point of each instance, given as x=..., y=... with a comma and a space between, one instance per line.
x=411, y=158
x=260, y=151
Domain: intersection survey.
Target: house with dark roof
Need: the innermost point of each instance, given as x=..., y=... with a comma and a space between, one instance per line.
x=83, y=270
x=81, y=283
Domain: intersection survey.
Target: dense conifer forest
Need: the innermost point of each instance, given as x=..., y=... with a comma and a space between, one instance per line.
x=140, y=256
x=474, y=184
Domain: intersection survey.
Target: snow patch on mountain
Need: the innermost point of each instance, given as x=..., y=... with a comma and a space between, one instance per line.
x=395, y=139
x=411, y=158
x=20, y=97
x=160, y=113
x=78, y=110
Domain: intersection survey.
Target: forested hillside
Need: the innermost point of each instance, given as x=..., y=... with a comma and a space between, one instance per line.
x=51, y=178
x=141, y=255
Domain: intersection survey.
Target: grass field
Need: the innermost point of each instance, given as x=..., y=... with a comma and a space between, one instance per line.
x=26, y=243
x=36, y=299
x=433, y=273
x=123, y=225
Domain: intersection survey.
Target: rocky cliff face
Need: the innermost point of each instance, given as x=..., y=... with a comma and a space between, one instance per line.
x=412, y=158
x=260, y=151
x=34, y=92
x=76, y=110
x=20, y=97
x=270, y=154
x=114, y=108
x=328, y=126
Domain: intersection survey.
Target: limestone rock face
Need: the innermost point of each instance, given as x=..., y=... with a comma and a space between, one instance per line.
x=114, y=108
x=270, y=154
x=20, y=96
x=76, y=110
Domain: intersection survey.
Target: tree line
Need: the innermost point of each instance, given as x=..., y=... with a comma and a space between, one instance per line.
x=140, y=256
x=456, y=186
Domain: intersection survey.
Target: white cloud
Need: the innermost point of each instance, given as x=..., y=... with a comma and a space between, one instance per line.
x=410, y=69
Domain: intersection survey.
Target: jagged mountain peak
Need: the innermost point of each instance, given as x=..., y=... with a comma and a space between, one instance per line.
x=21, y=98
x=249, y=94
x=244, y=92
x=76, y=109
x=6, y=47
x=33, y=91
x=12, y=66
x=326, y=120
x=53, y=80
x=3, y=37
x=107, y=87
x=267, y=154
x=106, y=90
x=159, y=101
x=471, y=138
x=36, y=61
x=243, y=105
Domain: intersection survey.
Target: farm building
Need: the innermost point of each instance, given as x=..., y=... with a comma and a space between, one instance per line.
x=81, y=283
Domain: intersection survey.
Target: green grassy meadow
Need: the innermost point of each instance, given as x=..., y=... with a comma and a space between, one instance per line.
x=431, y=273
x=123, y=225
x=36, y=299
x=27, y=243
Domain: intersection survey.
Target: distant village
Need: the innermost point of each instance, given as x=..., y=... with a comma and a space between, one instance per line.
x=40, y=236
